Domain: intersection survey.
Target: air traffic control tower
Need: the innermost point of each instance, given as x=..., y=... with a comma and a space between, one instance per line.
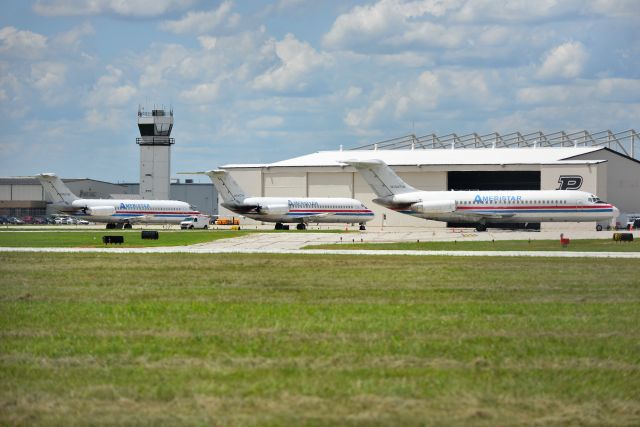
x=155, y=152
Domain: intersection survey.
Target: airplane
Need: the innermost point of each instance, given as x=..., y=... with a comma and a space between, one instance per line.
x=300, y=210
x=116, y=213
x=482, y=207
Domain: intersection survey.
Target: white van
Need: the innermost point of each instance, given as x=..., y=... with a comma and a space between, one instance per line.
x=196, y=221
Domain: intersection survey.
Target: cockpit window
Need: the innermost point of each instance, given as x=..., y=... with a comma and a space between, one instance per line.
x=595, y=200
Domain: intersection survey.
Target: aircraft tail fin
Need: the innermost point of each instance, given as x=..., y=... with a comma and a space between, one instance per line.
x=56, y=189
x=380, y=177
x=227, y=187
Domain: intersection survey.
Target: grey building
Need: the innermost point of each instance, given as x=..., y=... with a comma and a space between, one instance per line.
x=20, y=196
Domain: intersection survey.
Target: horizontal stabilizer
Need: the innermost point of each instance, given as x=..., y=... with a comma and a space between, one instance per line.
x=380, y=177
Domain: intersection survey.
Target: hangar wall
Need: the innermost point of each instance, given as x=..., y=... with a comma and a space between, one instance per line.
x=589, y=173
x=621, y=181
x=333, y=181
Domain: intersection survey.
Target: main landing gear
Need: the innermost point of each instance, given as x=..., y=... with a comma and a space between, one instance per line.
x=362, y=227
x=481, y=227
x=281, y=226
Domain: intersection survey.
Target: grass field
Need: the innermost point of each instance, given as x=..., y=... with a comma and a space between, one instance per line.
x=580, y=245
x=132, y=238
x=91, y=239
x=317, y=340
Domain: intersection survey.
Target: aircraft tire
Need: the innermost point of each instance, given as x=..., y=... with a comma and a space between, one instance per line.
x=127, y=226
x=598, y=227
x=481, y=227
x=362, y=228
x=301, y=226
x=278, y=226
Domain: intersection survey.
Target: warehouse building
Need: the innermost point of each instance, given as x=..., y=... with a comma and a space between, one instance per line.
x=602, y=163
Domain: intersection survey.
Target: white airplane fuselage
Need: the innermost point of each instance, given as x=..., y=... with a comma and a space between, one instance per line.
x=302, y=209
x=114, y=210
x=501, y=206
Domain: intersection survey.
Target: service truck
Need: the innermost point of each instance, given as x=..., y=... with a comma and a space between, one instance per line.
x=195, y=221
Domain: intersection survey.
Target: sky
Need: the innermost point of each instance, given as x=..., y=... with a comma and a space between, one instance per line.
x=262, y=81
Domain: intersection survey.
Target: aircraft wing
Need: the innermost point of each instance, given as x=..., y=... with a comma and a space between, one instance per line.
x=308, y=216
x=136, y=219
x=481, y=215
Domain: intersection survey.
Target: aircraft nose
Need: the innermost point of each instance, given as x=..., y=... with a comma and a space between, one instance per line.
x=616, y=212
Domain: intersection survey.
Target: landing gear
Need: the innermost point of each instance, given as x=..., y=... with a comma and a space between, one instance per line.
x=278, y=226
x=301, y=226
x=481, y=227
x=126, y=225
x=362, y=227
x=111, y=225
x=598, y=227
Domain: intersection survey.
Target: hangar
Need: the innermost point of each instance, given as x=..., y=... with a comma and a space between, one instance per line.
x=603, y=163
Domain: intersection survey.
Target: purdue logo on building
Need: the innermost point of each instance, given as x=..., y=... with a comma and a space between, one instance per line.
x=569, y=182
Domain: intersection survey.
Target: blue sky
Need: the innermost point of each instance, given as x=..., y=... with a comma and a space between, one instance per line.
x=258, y=81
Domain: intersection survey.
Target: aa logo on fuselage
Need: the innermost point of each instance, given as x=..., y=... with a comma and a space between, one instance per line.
x=569, y=182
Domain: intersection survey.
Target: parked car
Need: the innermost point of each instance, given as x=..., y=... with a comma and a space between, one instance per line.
x=4, y=219
x=15, y=220
x=39, y=220
x=82, y=222
x=60, y=220
x=27, y=219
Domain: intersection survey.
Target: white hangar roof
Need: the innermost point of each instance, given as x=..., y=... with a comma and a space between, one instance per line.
x=466, y=156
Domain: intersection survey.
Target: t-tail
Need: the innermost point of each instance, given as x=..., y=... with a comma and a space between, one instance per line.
x=56, y=189
x=381, y=178
x=227, y=187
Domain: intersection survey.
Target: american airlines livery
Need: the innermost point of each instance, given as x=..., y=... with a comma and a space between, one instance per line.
x=482, y=207
x=116, y=213
x=300, y=210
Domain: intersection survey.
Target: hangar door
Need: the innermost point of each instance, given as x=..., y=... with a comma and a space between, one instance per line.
x=494, y=180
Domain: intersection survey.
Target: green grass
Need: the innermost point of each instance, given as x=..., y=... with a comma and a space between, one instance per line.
x=580, y=245
x=317, y=340
x=132, y=238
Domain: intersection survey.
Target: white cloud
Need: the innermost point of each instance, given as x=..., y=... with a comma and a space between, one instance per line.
x=430, y=91
x=265, y=122
x=138, y=8
x=296, y=60
x=208, y=42
x=47, y=76
x=517, y=10
x=159, y=62
x=203, y=22
x=564, y=61
x=111, y=91
x=23, y=44
x=394, y=23
x=352, y=93
x=582, y=91
x=618, y=8
x=205, y=93
x=71, y=39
